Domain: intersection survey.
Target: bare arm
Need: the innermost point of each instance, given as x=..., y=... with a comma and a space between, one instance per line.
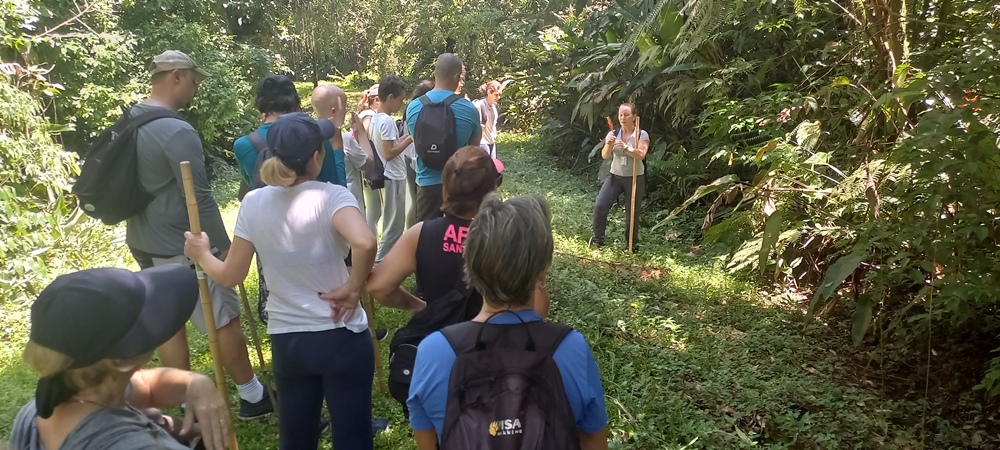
x=359, y=129
x=390, y=273
x=476, y=137
x=392, y=149
x=594, y=441
x=609, y=145
x=639, y=153
x=426, y=439
x=228, y=273
x=168, y=388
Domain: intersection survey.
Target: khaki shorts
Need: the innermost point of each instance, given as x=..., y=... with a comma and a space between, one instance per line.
x=225, y=302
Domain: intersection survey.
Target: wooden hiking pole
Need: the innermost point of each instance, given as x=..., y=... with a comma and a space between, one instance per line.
x=631, y=211
x=206, y=298
x=260, y=353
x=370, y=310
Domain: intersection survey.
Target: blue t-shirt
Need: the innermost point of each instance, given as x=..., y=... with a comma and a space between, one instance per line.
x=435, y=358
x=246, y=158
x=466, y=124
x=246, y=154
x=333, y=166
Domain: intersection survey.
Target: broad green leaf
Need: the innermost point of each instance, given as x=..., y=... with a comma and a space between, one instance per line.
x=818, y=158
x=899, y=76
x=715, y=186
x=840, y=81
x=771, y=145
x=836, y=274
x=862, y=318
x=772, y=229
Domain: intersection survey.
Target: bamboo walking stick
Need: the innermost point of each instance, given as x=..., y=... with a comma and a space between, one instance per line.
x=635, y=168
x=206, y=298
x=370, y=310
x=260, y=353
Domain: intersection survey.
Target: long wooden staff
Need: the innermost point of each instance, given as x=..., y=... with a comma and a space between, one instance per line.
x=370, y=310
x=256, y=342
x=206, y=298
x=635, y=168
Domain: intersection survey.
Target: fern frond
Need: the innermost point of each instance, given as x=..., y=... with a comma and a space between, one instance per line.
x=629, y=44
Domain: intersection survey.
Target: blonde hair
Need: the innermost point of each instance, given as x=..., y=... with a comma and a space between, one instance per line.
x=273, y=172
x=47, y=362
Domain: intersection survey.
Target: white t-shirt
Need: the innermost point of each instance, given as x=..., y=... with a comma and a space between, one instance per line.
x=383, y=129
x=354, y=158
x=302, y=254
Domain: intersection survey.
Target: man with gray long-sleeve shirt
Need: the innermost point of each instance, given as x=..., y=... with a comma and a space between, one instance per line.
x=156, y=235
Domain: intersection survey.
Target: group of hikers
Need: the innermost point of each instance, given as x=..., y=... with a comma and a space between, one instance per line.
x=477, y=366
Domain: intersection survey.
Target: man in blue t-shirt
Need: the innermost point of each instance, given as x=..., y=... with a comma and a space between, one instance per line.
x=508, y=251
x=447, y=75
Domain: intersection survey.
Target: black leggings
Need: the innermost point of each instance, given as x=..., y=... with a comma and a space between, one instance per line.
x=337, y=365
x=614, y=186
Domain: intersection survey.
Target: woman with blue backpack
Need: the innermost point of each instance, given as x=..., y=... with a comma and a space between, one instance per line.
x=508, y=379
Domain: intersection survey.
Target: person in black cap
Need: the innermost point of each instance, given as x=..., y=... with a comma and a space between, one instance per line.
x=90, y=333
x=300, y=229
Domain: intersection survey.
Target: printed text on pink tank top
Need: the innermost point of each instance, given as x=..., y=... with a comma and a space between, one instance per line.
x=453, y=239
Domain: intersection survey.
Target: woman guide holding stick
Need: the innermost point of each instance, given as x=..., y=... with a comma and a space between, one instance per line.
x=301, y=229
x=626, y=151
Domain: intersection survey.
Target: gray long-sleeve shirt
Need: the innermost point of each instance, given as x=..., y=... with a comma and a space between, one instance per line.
x=159, y=230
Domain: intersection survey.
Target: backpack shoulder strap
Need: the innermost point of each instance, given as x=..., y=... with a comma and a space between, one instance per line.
x=560, y=332
x=450, y=99
x=462, y=336
x=257, y=141
x=426, y=101
x=149, y=116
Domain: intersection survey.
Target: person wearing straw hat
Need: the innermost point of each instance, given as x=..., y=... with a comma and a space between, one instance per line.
x=91, y=332
x=156, y=235
x=301, y=229
x=627, y=156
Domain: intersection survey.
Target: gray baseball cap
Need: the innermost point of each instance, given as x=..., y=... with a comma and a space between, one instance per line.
x=174, y=60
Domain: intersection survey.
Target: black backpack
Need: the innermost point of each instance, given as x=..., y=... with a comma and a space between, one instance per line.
x=439, y=313
x=108, y=186
x=374, y=177
x=505, y=390
x=434, y=135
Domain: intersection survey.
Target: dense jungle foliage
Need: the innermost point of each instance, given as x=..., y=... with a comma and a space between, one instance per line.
x=843, y=151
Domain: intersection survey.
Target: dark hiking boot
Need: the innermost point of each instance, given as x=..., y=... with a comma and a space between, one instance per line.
x=252, y=411
x=594, y=242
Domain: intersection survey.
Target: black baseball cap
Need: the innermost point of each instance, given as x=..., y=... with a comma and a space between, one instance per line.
x=103, y=313
x=294, y=137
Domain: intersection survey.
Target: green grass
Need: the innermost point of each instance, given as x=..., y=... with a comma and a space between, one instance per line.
x=691, y=356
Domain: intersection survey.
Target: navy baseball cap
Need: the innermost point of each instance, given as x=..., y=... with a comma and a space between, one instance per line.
x=104, y=313
x=294, y=137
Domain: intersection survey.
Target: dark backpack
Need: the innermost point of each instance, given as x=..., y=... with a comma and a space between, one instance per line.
x=439, y=313
x=434, y=135
x=374, y=177
x=505, y=391
x=108, y=186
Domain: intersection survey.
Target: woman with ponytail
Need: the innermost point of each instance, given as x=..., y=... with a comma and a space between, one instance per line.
x=301, y=230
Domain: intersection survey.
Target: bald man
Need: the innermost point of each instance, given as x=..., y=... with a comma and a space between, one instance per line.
x=356, y=157
x=468, y=131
